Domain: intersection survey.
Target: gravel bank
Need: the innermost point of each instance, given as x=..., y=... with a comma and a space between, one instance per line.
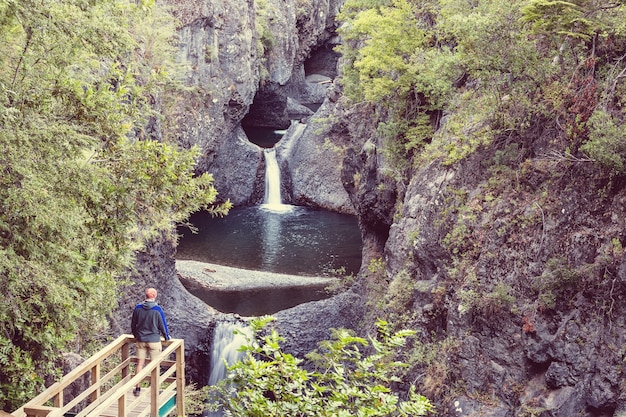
x=221, y=277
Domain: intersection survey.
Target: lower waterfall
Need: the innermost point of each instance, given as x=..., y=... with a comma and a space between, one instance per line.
x=225, y=352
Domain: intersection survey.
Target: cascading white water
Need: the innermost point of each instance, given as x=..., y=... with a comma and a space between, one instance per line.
x=273, y=200
x=272, y=178
x=226, y=344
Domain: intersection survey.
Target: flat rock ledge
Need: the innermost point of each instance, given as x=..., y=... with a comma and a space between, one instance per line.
x=197, y=275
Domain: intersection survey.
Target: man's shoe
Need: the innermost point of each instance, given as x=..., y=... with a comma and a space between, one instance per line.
x=137, y=391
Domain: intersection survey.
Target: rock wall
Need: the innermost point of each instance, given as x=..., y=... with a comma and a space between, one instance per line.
x=239, y=169
x=247, y=64
x=519, y=276
x=218, y=45
x=235, y=54
x=306, y=144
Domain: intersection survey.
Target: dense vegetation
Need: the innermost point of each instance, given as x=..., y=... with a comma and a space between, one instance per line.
x=498, y=68
x=84, y=183
x=345, y=382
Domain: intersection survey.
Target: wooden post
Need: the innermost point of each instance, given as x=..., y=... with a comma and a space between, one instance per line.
x=125, y=355
x=95, y=377
x=58, y=400
x=180, y=379
x=154, y=391
x=121, y=406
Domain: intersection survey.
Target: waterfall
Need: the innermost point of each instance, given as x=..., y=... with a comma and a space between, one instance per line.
x=225, y=352
x=273, y=200
x=225, y=348
x=272, y=178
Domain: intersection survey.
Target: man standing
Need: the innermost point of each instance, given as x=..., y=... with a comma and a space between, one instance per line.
x=148, y=324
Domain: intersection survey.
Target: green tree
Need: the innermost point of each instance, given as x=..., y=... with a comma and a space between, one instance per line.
x=576, y=19
x=587, y=40
x=392, y=62
x=346, y=381
x=497, y=69
x=83, y=183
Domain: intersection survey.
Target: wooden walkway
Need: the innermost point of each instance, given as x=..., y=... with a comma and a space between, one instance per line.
x=137, y=404
x=105, y=384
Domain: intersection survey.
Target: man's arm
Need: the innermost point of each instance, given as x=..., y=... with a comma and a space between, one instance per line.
x=163, y=324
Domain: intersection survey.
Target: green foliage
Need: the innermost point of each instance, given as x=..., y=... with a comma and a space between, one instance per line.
x=413, y=60
x=473, y=298
x=465, y=130
x=375, y=284
x=575, y=20
x=441, y=42
x=389, y=61
x=376, y=266
x=397, y=300
x=393, y=60
x=606, y=143
x=483, y=33
x=501, y=93
x=586, y=36
x=403, y=137
x=342, y=281
x=618, y=248
x=558, y=17
x=19, y=368
x=329, y=145
x=195, y=400
x=345, y=382
x=264, y=16
x=82, y=185
x=558, y=280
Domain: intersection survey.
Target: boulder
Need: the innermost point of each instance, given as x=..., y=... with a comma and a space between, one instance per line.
x=311, y=158
x=305, y=325
x=238, y=169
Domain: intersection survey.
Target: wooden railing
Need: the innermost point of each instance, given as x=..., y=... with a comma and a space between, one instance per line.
x=111, y=382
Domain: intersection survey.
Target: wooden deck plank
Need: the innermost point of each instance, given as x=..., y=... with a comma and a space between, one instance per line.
x=134, y=404
x=131, y=401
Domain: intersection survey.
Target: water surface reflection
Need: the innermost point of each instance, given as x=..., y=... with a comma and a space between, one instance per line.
x=301, y=241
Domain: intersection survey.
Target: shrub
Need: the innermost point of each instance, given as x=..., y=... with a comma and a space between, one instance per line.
x=606, y=143
x=345, y=382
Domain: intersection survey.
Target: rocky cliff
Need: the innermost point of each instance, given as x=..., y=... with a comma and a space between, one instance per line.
x=535, y=299
x=510, y=264
x=250, y=64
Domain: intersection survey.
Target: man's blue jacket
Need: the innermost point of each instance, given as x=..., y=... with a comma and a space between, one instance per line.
x=148, y=323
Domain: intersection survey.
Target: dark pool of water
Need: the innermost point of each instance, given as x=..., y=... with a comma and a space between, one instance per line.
x=301, y=241
x=260, y=301
x=265, y=137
